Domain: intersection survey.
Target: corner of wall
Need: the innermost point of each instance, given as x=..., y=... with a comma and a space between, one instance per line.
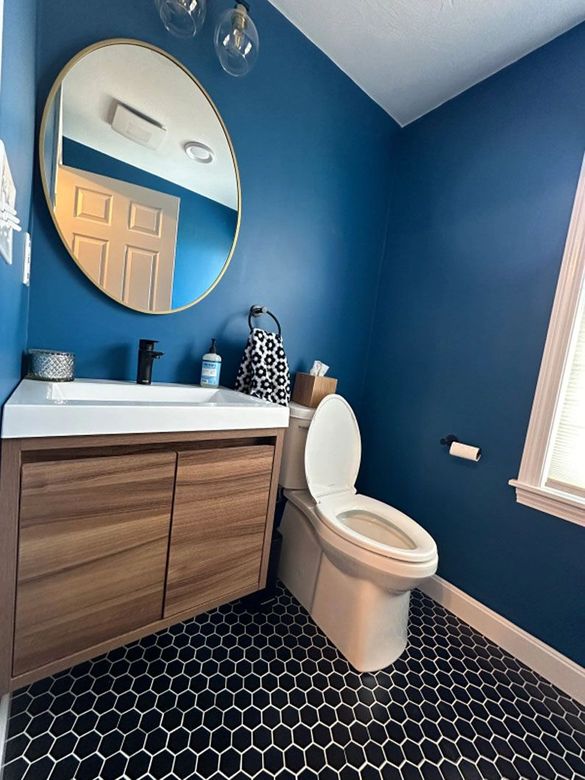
x=370, y=342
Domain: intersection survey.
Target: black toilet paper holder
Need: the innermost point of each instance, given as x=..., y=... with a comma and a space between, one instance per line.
x=447, y=441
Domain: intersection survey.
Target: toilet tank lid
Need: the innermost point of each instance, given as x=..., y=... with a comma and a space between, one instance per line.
x=300, y=412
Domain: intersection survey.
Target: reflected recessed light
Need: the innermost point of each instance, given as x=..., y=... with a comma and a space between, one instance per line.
x=199, y=152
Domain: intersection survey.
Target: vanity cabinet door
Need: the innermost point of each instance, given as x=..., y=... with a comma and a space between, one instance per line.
x=218, y=527
x=93, y=544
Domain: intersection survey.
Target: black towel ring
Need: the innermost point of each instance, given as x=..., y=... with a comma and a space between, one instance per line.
x=258, y=311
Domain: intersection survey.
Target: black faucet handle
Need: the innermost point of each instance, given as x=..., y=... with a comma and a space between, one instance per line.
x=147, y=345
x=156, y=354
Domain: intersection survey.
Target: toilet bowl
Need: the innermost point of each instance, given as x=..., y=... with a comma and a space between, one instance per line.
x=349, y=559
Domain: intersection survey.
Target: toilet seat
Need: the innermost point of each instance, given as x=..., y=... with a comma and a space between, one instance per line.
x=377, y=527
x=333, y=451
x=332, y=461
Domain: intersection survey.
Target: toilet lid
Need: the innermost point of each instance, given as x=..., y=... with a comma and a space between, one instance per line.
x=333, y=450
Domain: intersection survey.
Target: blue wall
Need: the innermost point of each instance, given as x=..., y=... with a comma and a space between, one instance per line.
x=206, y=228
x=478, y=225
x=17, y=97
x=314, y=154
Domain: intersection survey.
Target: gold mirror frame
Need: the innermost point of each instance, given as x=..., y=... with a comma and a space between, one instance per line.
x=46, y=111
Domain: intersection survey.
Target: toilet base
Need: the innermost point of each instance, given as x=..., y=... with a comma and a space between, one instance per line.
x=366, y=622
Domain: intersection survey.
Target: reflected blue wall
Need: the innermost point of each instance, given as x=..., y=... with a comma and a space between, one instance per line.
x=206, y=228
x=17, y=100
x=314, y=154
x=478, y=226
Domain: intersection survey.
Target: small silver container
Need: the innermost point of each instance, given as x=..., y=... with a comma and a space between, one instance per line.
x=51, y=366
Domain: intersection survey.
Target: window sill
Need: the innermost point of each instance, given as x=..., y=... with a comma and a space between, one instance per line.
x=553, y=502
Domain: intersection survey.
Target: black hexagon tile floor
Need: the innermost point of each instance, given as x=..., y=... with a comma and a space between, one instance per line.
x=240, y=694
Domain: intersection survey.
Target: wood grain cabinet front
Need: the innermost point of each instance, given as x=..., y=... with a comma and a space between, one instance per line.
x=105, y=539
x=219, y=526
x=92, y=552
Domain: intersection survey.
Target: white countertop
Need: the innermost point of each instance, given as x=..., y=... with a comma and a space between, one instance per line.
x=92, y=406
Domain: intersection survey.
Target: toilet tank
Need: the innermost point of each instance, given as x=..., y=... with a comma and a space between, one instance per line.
x=292, y=470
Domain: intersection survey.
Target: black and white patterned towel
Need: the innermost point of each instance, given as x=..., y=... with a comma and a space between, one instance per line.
x=263, y=371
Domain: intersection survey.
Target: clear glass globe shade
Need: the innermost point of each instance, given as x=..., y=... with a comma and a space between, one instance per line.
x=236, y=41
x=182, y=18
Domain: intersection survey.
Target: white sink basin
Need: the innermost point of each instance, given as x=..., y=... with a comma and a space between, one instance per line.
x=90, y=406
x=127, y=392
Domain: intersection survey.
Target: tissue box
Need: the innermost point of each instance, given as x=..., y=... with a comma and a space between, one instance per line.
x=310, y=390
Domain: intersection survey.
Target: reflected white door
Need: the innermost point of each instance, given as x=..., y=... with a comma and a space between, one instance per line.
x=124, y=236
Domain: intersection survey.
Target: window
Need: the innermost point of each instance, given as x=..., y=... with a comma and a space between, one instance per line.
x=552, y=472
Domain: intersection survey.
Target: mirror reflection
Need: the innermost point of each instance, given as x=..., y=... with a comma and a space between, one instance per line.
x=140, y=176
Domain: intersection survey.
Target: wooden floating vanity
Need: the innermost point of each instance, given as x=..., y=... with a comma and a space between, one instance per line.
x=107, y=538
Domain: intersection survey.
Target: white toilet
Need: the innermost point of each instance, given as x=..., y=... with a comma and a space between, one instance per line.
x=350, y=560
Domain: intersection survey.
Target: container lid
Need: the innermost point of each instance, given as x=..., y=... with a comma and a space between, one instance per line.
x=300, y=412
x=333, y=451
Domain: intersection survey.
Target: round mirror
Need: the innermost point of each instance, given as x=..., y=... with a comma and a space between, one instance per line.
x=140, y=176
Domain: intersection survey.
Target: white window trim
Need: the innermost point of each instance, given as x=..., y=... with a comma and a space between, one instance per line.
x=530, y=489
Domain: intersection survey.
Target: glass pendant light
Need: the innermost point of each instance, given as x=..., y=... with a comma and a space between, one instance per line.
x=182, y=18
x=236, y=41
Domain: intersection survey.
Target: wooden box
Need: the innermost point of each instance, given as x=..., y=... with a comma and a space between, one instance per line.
x=310, y=390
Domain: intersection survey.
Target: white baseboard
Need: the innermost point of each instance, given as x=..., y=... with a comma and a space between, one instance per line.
x=543, y=659
x=4, y=715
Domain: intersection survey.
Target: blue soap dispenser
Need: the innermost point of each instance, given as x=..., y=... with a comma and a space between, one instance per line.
x=211, y=367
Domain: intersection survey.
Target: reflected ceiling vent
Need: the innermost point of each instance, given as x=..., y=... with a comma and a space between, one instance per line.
x=137, y=127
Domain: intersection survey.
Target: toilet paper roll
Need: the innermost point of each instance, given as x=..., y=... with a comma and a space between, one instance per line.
x=466, y=451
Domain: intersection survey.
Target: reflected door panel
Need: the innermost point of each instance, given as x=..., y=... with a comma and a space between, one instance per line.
x=124, y=236
x=141, y=269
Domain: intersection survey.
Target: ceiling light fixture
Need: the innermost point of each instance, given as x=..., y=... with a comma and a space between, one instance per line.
x=236, y=41
x=182, y=18
x=199, y=152
x=236, y=37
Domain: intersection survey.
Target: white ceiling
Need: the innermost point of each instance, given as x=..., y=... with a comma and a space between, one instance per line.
x=155, y=86
x=411, y=56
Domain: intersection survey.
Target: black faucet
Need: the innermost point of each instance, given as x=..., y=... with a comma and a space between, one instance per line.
x=146, y=356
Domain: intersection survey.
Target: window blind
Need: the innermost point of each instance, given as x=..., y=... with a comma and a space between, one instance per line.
x=566, y=470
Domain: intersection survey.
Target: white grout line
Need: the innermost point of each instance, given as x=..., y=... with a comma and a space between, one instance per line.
x=538, y=656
